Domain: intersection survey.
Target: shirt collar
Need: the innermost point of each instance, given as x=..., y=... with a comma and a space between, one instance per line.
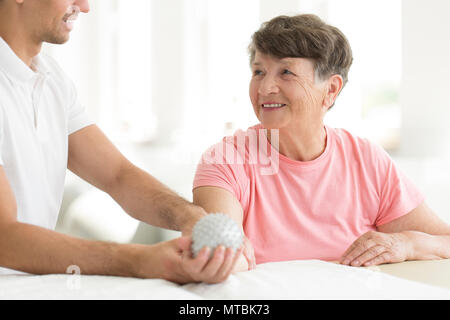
x=15, y=68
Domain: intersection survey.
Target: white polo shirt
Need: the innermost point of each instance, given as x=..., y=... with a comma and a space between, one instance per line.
x=38, y=111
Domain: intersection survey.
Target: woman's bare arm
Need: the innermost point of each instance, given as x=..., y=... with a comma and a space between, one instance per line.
x=418, y=235
x=218, y=200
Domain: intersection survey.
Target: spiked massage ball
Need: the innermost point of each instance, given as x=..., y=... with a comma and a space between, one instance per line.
x=214, y=230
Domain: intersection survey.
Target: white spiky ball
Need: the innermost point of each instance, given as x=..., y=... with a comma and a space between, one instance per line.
x=216, y=229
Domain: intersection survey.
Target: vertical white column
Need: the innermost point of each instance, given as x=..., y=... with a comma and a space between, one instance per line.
x=425, y=86
x=167, y=20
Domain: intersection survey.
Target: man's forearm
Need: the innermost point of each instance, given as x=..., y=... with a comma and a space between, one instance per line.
x=36, y=250
x=428, y=247
x=145, y=198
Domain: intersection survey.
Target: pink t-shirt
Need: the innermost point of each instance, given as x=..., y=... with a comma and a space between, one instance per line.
x=308, y=210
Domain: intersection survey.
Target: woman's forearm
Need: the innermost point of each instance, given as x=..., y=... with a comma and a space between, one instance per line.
x=428, y=247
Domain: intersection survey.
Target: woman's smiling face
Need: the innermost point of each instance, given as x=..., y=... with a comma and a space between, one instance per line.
x=285, y=92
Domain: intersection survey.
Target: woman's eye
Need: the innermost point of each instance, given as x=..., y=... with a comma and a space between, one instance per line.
x=286, y=71
x=257, y=72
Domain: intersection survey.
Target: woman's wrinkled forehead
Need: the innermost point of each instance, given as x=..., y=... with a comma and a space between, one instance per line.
x=304, y=68
x=297, y=63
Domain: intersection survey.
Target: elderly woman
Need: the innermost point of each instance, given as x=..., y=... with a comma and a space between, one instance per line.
x=331, y=196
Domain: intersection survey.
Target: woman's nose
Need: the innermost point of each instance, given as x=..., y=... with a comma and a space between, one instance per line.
x=83, y=5
x=268, y=86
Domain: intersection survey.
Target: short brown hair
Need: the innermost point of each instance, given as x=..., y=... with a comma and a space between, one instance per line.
x=305, y=36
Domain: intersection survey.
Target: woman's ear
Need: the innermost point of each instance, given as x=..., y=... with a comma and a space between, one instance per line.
x=334, y=87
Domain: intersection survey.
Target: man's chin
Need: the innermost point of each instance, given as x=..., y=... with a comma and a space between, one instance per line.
x=60, y=39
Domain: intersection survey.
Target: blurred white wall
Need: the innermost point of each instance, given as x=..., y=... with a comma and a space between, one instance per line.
x=424, y=151
x=425, y=86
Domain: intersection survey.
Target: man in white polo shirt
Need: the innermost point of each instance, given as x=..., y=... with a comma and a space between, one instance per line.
x=43, y=131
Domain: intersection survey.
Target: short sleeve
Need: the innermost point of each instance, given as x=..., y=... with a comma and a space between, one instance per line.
x=399, y=195
x=78, y=117
x=217, y=169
